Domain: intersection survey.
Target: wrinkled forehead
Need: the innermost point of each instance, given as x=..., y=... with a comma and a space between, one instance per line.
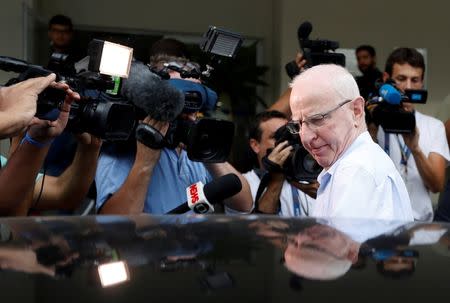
x=311, y=97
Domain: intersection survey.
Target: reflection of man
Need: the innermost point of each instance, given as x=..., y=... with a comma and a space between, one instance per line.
x=422, y=156
x=320, y=252
x=358, y=179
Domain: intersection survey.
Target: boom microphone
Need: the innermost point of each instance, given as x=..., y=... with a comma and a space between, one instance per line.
x=201, y=198
x=160, y=100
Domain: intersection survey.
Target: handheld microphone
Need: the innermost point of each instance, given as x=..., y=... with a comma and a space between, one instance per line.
x=303, y=31
x=202, y=197
x=390, y=94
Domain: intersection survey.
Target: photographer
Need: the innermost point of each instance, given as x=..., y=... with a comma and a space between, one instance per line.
x=280, y=197
x=424, y=172
x=358, y=179
x=367, y=65
x=20, y=191
x=154, y=180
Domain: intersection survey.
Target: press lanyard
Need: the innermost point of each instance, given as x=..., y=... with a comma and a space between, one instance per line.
x=297, y=204
x=404, y=150
x=295, y=201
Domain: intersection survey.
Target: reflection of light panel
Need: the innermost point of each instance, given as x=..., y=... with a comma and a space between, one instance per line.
x=113, y=273
x=116, y=59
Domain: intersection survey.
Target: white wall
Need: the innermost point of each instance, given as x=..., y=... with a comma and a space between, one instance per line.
x=384, y=24
x=11, y=24
x=251, y=18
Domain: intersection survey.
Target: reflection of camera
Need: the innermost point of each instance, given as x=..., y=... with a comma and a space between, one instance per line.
x=300, y=165
x=103, y=118
x=315, y=52
x=386, y=109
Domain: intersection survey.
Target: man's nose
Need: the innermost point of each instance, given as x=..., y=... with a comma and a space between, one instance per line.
x=306, y=134
x=408, y=84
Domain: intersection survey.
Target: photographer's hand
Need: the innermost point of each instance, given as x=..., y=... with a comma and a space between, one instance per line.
x=270, y=199
x=431, y=167
x=300, y=61
x=145, y=154
x=44, y=130
x=280, y=153
x=18, y=104
x=412, y=140
x=130, y=198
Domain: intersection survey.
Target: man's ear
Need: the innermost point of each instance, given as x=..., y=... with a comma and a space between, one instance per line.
x=385, y=76
x=358, y=107
x=254, y=145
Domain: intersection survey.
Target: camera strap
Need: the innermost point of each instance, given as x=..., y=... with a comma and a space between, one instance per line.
x=404, y=149
x=265, y=178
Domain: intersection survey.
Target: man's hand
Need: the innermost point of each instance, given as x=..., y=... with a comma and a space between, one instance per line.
x=280, y=153
x=44, y=130
x=300, y=61
x=412, y=140
x=18, y=104
x=146, y=154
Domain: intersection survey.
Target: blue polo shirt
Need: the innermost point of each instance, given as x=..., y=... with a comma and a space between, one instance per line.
x=167, y=188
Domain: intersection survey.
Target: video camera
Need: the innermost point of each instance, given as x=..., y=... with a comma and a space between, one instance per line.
x=314, y=51
x=207, y=140
x=300, y=166
x=107, y=62
x=217, y=43
x=386, y=109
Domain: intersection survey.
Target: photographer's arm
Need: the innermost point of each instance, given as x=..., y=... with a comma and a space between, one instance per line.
x=282, y=104
x=68, y=190
x=18, y=177
x=130, y=198
x=242, y=201
x=269, y=203
x=431, y=168
x=27, y=158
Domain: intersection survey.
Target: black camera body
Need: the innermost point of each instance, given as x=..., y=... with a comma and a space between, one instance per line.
x=300, y=166
x=315, y=52
x=386, y=109
x=207, y=140
x=109, y=120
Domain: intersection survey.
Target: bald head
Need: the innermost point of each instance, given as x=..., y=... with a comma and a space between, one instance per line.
x=330, y=79
x=326, y=101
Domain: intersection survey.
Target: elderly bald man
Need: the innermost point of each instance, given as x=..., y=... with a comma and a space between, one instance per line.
x=358, y=179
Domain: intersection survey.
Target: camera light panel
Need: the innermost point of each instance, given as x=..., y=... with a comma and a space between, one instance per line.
x=113, y=273
x=116, y=59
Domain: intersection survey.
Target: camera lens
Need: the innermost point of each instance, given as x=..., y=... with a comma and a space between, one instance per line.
x=310, y=165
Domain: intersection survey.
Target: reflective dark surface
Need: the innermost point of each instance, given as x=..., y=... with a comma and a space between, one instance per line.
x=222, y=258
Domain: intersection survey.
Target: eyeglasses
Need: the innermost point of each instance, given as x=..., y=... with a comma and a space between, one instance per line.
x=313, y=122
